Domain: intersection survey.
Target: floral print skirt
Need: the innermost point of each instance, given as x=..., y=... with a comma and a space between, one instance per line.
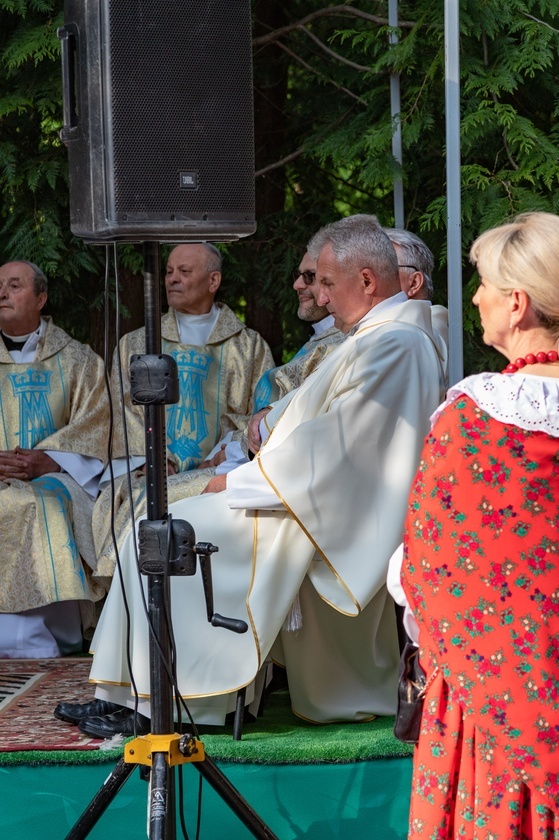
x=462, y=787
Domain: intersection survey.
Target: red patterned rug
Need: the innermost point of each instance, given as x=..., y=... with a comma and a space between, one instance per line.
x=29, y=692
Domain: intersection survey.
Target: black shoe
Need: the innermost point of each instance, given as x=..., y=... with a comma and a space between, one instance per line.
x=117, y=723
x=75, y=712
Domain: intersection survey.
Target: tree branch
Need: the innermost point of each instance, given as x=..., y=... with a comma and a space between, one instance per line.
x=543, y=23
x=300, y=151
x=317, y=73
x=333, y=54
x=346, y=11
x=511, y=160
x=279, y=163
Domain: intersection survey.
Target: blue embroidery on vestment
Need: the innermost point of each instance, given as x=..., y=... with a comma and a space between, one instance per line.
x=32, y=390
x=263, y=395
x=47, y=484
x=266, y=390
x=187, y=423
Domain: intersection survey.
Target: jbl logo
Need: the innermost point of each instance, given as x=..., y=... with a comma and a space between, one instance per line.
x=188, y=180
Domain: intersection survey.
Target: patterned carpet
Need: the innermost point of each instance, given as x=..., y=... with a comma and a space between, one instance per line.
x=29, y=691
x=31, y=735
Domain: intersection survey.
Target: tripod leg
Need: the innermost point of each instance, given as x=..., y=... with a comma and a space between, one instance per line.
x=162, y=800
x=231, y=796
x=101, y=800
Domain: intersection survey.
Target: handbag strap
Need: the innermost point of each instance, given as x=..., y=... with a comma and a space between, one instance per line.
x=429, y=682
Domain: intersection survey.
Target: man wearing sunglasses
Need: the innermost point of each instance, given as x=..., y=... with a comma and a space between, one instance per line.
x=277, y=382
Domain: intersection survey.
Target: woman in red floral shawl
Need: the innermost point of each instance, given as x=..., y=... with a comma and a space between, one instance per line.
x=481, y=563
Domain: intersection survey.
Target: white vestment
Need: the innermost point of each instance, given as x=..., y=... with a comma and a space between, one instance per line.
x=439, y=318
x=341, y=458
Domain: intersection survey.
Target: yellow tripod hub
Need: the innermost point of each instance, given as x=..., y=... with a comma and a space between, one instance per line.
x=178, y=749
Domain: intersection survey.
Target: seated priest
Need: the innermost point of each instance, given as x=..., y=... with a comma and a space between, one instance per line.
x=53, y=445
x=219, y=360
x=415, y=265
x=306, y=529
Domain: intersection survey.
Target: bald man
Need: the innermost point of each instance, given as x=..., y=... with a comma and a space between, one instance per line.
x=220, y=362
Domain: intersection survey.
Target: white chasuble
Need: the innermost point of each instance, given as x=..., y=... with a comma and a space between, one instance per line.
x=341, y=457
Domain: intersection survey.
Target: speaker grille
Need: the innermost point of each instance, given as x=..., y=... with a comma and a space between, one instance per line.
x=180, y=101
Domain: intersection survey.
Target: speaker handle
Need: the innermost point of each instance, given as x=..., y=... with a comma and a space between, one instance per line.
x=68, y=40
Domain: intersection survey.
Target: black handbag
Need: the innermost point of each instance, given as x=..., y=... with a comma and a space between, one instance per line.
x=412, y=686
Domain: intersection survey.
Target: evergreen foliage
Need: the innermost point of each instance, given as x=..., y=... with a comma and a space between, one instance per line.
x=34, y=222
x=339, y=118
x=323, y=139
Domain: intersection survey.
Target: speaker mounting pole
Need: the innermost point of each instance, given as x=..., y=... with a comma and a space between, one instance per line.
x=158, y=124
x=163, y=748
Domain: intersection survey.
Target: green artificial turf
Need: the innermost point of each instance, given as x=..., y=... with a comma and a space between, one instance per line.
x=277, y=737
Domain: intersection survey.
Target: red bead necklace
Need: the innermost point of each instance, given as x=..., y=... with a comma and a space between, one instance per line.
x=540, y=358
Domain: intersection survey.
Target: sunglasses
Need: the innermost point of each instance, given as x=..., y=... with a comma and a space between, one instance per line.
x=308, y=276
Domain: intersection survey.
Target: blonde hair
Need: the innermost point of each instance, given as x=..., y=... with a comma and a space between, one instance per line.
x=524, y=254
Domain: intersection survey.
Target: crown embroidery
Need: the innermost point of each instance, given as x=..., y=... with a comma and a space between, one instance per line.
x=192, y=361
x=32, y=389
x=35, y=380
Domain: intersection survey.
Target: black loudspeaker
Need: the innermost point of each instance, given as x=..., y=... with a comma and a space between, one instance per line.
x=158, y=119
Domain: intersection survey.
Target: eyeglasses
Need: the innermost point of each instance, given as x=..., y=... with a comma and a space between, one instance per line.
x=308, y=276
x=409, y=266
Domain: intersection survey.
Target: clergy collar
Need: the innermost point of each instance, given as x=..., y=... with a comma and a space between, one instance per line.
x=204, y=318
x=321, y=326
x=399, y=297
x=31, y=341
x=196, y=329
x=16, y=342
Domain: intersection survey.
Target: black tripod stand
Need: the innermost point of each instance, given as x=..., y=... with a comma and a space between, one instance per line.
x=160, y=751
